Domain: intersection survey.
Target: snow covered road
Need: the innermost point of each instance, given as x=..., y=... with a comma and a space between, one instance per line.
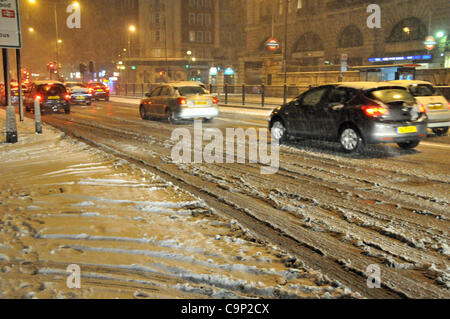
x=334, y=212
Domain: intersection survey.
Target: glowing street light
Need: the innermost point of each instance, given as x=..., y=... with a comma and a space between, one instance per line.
x=32, y=1
x=30, y=29
x=440, y=34
x=132, y=28
x=60, y=41
x=189, y=52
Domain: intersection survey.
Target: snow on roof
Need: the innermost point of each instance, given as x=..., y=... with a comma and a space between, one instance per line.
x=364, y=85
x=409, y=82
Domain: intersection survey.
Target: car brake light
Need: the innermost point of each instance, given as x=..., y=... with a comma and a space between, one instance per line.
x=90, y=90
x=38, y=97
x=375, y=110
x=422, y=108
x=67, y=96
x=215, y=100
x=182, y=101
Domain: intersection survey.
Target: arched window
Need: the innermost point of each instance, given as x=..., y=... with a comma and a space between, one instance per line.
x=350, y=37
x=409, y=29
x=308, y=42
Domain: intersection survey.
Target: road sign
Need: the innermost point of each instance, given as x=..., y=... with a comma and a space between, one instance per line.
x=10, y=34
x=430, y=43
x=273, y=44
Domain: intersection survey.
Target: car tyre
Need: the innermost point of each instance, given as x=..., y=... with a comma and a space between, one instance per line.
x=279, y=131
x=169, y=116
x=408, y=145
x=142, y=113
x=440, y=131
x=351, y=140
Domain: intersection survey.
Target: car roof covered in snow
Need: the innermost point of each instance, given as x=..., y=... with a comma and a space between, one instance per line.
x=366, y=85
x=409, y=82
x=186, y=83
x=47, y=82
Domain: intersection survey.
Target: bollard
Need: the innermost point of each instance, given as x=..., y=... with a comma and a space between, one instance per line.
x=262, y=94
x=11, y=125
x=243, y=94
x=37, y=116
x=285, y=93
x=226, y=93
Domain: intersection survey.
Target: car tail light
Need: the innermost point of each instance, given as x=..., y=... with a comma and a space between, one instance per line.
x=215, y=100
x=107, y=88
x=422, y=108
x=375, y=110
x=67, y=97
x=38, y=97
x=90, y=90
x=182, y=101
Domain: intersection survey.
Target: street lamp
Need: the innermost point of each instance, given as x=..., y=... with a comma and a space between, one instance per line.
x=30, y=29
x=440, y=34
x=131, y=30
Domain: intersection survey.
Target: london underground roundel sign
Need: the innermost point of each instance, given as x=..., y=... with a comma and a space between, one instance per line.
x=430, y=43
x=273, y=44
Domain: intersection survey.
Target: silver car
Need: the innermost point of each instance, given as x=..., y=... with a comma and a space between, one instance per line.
x=179, y=101
x=434, y=104
x=79, y=93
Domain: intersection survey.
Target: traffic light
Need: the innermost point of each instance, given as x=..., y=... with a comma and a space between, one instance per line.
x=51, y=66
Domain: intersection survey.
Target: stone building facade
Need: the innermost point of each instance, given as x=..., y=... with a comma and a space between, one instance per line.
x=187, y=39
x=321, y=33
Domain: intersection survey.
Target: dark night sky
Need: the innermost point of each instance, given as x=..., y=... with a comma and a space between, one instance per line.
x=100, y=39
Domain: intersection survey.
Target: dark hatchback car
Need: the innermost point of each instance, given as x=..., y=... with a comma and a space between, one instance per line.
x=53, y=97
x=98, y=90
x=354, y=114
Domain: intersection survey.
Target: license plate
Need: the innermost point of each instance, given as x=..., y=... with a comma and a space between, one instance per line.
x=438, y=106
x=201, y=103
x=80, y=98
x=407, y=129
x=53, y=97
x=100, y=91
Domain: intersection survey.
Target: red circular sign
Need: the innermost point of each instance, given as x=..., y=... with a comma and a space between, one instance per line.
x=430, y=43
x=273, y=44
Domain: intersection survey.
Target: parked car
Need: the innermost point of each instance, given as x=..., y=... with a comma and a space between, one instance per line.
x=354, y=114
x=52, y=95
x=436, y=105
x=179, y=100
x=98, y=90
x=79, y=93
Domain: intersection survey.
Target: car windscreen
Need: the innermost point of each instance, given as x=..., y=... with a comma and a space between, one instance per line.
x=423, y=90
x=391, y=95
x=52, y=89
x=191, y=90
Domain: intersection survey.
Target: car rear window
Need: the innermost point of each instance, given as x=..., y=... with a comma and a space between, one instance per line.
x=52, y=89
x=391, y=95
x=423, y=90
x=190, y=90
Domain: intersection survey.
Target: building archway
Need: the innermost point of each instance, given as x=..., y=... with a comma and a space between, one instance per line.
x=409, y=29
x=350, y=37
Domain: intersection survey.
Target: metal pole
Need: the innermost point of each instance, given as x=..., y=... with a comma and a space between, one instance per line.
x=37, y=116
x=56, y=43
x=11, y=125
x=6, y=76
x=285, y=47
x=226, y=93
x=19, y=79
x=243, y=94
